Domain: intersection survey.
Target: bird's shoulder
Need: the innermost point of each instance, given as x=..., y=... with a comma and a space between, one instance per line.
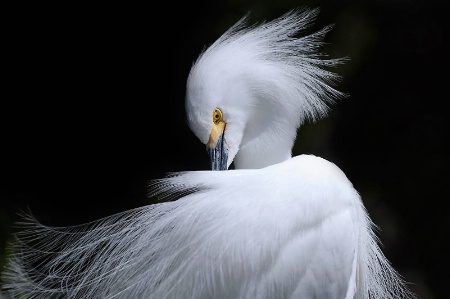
x=300, y=178
x=312, y=169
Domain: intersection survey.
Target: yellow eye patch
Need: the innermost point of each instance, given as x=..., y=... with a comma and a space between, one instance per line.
x=217, y=116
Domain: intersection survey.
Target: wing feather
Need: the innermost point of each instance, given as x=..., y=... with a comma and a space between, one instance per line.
x=242, y=234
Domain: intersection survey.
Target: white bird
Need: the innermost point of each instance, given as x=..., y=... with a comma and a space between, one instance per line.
x=275, y=227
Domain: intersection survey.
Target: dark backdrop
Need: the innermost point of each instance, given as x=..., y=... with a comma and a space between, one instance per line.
x=93, y=108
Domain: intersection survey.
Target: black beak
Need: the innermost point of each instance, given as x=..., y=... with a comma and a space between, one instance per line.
x=218, y=156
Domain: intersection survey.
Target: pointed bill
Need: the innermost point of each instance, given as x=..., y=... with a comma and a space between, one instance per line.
x=216, y=147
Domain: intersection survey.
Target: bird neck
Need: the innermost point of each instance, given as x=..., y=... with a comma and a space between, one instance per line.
x=248, y=158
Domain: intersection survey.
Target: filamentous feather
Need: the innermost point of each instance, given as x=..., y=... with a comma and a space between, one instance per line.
x=277, y=64
x=218, y=234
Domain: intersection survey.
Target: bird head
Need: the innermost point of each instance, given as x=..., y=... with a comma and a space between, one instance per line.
x=248, y=92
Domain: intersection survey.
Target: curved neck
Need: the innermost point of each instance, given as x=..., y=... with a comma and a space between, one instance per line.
x=248, y=158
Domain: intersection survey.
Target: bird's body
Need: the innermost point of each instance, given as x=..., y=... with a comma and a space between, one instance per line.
x=276, y=227
x=247, y=234
x=256, y=226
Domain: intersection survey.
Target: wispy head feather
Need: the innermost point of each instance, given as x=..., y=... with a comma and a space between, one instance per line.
x=275, y=64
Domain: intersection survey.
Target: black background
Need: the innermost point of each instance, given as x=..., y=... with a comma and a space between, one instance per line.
x=93, y=108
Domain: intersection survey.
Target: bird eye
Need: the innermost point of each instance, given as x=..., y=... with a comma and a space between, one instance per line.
x=217, y=116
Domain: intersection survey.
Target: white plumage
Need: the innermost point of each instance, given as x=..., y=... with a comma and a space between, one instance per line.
x=276, y=227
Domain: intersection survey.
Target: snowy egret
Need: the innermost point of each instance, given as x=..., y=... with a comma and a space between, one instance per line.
x=275, y=227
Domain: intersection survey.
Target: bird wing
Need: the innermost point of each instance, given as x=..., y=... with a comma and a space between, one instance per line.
x=284, y=231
